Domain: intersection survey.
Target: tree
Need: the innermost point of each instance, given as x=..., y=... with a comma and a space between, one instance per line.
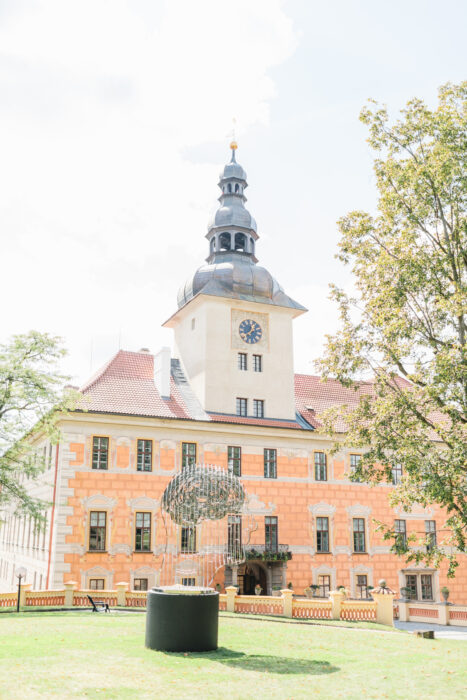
x=406, y=323
x=32, y=401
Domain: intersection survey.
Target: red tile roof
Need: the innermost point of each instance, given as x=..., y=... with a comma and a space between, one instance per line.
x=125, y=385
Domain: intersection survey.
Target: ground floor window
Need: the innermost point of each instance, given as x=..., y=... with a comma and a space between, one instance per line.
x=324, y=583
x=362, y=586
x=140, y=584
x=189, y=581
x=96, y=584
x=419, y=586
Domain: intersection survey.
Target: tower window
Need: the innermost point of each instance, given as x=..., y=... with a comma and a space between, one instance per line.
x=229, y=187
x=242, y=405
x=224, y=241
x=237, y=187
x=242, y=360
x=240, y=241
x=258, y=363
x=258, y=408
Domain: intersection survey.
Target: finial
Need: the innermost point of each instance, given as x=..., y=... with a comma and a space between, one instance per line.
x=233, y=143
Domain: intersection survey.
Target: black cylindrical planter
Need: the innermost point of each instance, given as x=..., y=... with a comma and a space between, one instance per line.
x=182, y=622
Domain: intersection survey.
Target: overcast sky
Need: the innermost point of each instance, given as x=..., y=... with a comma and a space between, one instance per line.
x=114, y=124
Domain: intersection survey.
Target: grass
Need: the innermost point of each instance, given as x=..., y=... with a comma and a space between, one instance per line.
x=74, y=655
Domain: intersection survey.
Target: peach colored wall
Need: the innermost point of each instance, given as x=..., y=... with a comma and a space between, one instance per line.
x=291, y=501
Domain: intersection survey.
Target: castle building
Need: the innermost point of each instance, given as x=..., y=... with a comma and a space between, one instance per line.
x=229, y=397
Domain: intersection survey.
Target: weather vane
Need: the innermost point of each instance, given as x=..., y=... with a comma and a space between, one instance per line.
x=233, y=143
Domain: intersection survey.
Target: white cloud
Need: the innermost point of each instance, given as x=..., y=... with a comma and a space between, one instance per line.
x=102, y=214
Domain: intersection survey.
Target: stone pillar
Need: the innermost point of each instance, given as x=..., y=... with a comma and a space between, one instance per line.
x=232, y=241
x=231, y=592
x=25, y=587
x=384, y=608
x=403, y=610
x=70, y=586
x=336, y=598
x=122, y=588
x=235, y=575
x=268, y=590
x=284, y=574
x=443, y=613
x=287, y=598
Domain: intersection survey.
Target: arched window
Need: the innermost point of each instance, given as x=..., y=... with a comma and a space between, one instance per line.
x=240, y=241
x=237, y=187
x=224, y=241
x=252, y=246
x=229, y=187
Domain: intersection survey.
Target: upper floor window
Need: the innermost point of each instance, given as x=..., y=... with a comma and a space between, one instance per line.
x=100, y=452
x=242, y=360
x=258, y=408
x=143, y=532
x=270, y=463
x=144, y=456
x=270, y=532
x=396, y=474
x=322, y=534
x=188, y=539
x=321, y=469
x=242, y=406
x=430, y=530
x=97, y=530
x=258, y=363
x=234, y=536
x=358, y=534
x=234, y=460
x=355, y=461
x=188, y=454
x=400, y=529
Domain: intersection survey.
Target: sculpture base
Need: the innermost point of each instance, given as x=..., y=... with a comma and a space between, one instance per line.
x=182, y=619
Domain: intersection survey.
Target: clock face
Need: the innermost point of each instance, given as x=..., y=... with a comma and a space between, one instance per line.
x=250, y=331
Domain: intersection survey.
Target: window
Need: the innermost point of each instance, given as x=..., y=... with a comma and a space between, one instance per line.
x=396, y=474
x=321, y=468
x=144, y=456
x=362, y=586
x=242, y=406
x=427, y=586
x=143, y=532
x=96, y=584
x=258, y=408
x=270, y=532
x=358, y=534
x=411, y=586
x=234, y=460
x=97, y=528
x=258, y=363
x=400, y=530
x=270, y=464
x=188, y=454
x=355, y=461
x=322, y=534
x=430, y=530
x=234, y=538
x=188, y=581
x=100, y=452
x=324, y=583
x=242, y=360
x=140, y=584
x=188, y=539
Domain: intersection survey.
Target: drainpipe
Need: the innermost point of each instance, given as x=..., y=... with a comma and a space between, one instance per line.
x=52, y=517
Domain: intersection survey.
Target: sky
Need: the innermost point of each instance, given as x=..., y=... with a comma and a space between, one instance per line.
x=115, y=120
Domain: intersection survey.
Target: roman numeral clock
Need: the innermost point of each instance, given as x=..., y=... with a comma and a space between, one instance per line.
x=250, y=328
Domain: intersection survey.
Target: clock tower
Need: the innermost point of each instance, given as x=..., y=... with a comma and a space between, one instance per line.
x=233, y=328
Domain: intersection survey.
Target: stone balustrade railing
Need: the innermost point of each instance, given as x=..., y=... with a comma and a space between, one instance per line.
x=336, y=607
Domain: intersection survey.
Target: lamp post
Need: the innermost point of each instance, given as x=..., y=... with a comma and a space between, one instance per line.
x=20, y=573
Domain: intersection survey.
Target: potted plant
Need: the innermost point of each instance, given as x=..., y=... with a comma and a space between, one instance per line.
x=314, y=587
x=404, y=591
x=258, y=589
x=368, y=591
x=218, y=587
x=276, y=590
x=342, y=590
x=445, y=593
x=309, y=592
x=290, y=586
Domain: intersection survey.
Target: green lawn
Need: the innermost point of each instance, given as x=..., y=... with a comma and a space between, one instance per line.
x=70, y=655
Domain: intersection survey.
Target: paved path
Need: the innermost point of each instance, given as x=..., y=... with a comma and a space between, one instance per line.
x=441, y=631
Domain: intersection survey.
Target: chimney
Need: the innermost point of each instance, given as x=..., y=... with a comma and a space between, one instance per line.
x=162, y=372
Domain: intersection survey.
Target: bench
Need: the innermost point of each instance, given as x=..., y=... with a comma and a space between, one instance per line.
x=99, y=605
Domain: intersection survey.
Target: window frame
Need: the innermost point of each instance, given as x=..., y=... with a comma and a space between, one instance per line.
x=271, y=527
x=242, y=361
x=144, y=440
x=361, y=588
x=233, y=460
x=323, y=586
x=400, y=534
x=241, y=406
x=143, y=528
x=96, y=587
x=320, y=466
x=258, y=408
x=359, y=535
x=257, y=363
x=322, y=534
x=234, y=536
x=431, y=535
x=352, y=466
x=396, y=472
x=100, y=528
x=100, y=437
x=183, y=455
x=139, y=588
x=268, y=461
x=188, y=544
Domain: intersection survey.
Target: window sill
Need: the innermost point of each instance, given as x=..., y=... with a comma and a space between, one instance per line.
x=360, y=552
x=322, y=552
x=142, y=551
x=97, y=551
